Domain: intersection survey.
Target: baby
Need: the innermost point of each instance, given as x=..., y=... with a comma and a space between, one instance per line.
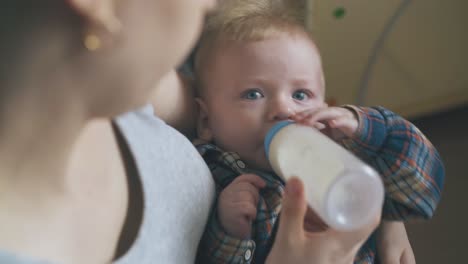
x=256, y=65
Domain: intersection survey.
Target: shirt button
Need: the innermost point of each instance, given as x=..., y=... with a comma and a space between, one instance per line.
x=248, y=254
x=241, y=164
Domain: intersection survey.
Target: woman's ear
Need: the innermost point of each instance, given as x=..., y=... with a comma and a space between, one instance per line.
x=99, y=13
x=203, y=129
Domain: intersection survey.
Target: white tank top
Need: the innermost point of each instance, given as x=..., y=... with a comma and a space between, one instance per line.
x=177, y=190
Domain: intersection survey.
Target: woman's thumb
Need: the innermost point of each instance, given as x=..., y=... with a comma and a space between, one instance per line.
x=293, y=210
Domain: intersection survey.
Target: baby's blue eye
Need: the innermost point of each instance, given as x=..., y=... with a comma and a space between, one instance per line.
x=300, y=95
x=252, y=95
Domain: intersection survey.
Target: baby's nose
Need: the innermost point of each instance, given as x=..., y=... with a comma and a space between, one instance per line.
x=281, y=112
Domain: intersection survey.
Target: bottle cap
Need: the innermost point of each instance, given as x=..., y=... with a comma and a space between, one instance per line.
x=272, y=132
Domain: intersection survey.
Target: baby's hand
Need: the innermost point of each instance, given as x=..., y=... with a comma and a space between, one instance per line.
x=237, y=205
x=339, y=121
x=393, y=245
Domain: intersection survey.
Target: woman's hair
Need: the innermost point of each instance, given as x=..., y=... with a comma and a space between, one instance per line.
x=23, y=23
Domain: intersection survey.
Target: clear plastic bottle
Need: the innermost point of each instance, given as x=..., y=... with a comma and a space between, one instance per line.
x=343, y=190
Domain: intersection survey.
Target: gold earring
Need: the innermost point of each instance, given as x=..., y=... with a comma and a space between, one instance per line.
x=92, y=42
x=109, y=30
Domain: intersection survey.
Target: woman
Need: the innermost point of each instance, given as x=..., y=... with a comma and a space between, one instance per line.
x=77, y=187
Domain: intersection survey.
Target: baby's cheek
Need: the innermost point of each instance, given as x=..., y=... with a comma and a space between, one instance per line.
x=231, y=139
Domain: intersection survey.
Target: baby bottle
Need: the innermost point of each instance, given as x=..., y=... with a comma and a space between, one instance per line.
x=344, y=191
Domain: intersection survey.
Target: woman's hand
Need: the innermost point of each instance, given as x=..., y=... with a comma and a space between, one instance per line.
x=393, y=246
x=298, y=241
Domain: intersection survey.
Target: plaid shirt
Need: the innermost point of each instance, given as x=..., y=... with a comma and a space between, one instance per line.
x=411, y=168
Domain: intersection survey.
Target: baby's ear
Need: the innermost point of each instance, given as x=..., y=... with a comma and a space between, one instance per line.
x=203, y=129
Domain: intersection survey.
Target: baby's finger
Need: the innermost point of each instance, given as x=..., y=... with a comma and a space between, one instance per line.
x=308, y=112
x=321, y=116
x=245, y=192
x=306, y=122
x=345, y=124
x=251, y=179
x=300, y=117
x=248, y=210
x=327, y=114
x=319, y=126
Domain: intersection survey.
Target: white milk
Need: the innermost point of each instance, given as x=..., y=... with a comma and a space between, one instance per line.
x=344, y=191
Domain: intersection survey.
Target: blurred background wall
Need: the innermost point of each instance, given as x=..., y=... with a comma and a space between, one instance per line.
x=410, y=56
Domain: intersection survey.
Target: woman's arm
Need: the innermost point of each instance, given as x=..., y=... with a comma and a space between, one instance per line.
x=411, y=167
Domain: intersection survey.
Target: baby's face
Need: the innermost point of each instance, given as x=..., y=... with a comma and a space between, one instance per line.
x=252, y=85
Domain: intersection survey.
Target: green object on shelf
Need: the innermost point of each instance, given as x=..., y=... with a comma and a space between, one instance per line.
x=339, y=12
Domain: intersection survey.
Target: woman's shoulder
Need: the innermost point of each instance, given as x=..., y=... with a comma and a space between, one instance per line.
x=151, y=139
x=177, y=187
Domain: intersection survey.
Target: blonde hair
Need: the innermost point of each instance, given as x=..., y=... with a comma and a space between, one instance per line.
x=249, y=20
x=254, y=19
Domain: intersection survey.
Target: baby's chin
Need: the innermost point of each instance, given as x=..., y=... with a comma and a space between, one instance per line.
x=260, y=162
